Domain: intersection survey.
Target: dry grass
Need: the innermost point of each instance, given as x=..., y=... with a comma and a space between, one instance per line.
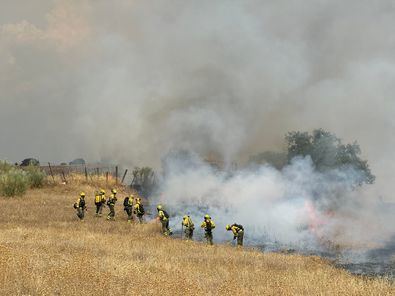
x=45, y=250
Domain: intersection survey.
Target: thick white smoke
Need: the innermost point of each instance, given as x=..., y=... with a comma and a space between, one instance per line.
x=296, y=206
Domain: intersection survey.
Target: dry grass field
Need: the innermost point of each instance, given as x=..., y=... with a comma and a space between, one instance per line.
x=46, y=250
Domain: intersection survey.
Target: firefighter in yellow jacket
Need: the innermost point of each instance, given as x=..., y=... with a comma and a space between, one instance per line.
x=128, y=207
x=208, y=226
x=100, y=200
x=163, y=217
x=238, y=233
x=189, y=227
x=111, y=204
x=80, y=206
x=139, y=210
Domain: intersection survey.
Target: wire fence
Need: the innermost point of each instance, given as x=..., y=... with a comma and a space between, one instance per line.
x=89, y=170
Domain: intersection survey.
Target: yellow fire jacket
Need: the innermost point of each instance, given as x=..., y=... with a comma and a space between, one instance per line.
x=208, y=225
x=187, y=222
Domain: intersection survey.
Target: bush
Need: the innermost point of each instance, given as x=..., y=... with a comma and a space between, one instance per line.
x=35, y=176
x=5, y=167
x=13, y=182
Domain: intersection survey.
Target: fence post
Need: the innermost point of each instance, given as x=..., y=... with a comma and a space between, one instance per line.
x=107, y=178
x=116, y=175
x=124, y=175
x=64, y=177
x=50, y=170
x=86, y=174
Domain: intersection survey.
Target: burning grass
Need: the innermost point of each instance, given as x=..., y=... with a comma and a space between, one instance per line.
x=45, y=250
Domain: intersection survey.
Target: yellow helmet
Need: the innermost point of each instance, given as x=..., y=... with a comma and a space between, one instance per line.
x=207, y=216
x=159, y=207
x=82, y=194
x=228, y=227
x=102, y=191
x=131, y=196
x=113, y=191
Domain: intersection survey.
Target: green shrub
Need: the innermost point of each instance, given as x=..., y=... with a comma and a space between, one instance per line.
x=5, y=167
x=13, y=182
x=35, y=176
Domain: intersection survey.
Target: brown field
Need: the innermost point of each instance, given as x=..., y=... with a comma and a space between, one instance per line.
x=45, y=250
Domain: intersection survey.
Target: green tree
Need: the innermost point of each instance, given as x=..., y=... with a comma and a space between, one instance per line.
x=328, y=152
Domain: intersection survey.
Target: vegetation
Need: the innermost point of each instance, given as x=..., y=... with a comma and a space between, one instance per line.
x=36, y=177
x=30, y=162
x=15, y=181
x=77, y=161
x=45, y=250
x=328, y=152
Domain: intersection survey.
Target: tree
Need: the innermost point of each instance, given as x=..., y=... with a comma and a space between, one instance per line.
x=328, y=152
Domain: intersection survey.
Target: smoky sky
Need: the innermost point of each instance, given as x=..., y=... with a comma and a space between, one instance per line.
x=126, y=81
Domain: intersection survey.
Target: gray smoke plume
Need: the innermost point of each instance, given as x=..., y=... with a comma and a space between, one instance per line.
x=127, y=81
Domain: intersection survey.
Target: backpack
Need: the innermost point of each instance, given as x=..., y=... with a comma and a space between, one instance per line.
x=239, y=226
x=166, y=214
x=126, y=202
x=141, y=210
x=190, y=223
x=97, y=198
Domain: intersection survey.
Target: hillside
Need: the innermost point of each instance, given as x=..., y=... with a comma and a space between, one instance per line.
x=45, y=250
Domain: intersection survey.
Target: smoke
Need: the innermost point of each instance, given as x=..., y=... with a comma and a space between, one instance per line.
x=296, y=207
x=127, y=81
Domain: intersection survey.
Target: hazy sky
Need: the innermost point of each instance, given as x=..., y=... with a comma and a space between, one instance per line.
x=128, y=80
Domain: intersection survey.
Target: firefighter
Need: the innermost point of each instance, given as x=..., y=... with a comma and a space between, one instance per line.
x=103, y=200
x=139, y=210
x=128, y=207
x=163, y=217
x=100, y=200
x=208, y=226
x=111, y=204
x=189, y=227
x=238, y=233
x=80, y=206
